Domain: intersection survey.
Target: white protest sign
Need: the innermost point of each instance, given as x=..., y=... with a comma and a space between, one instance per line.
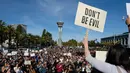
x=90, y=17
x=40, y=50
x=26, y=54
x=14, y=52
x=101, y=55
x=32, y=54
x=36, y=51
x=27, y=62
x=128, y=8
x=33, y=51
x=9, y=54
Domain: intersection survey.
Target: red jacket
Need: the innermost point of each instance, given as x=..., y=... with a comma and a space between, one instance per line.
x=59, y=67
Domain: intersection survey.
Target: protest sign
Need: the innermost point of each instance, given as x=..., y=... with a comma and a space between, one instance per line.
x=128, y=8
x=40, y=50
x=101, y=55
x=33, y=51
x=90, y=17
x=26, y=54
x=36, y=51
x=9, y=54
x=14, y=52
x=27, y=62
x=32, y=54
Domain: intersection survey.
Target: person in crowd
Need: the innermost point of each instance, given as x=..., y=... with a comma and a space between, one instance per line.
x=11, y=69
x=5, y=68
x=83, y=68
x=59, y=67
x=117, y=60
x=71, y=69
x=43, y=68
x=32, y=69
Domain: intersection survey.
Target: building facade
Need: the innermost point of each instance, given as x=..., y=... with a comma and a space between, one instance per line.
x=121, y=38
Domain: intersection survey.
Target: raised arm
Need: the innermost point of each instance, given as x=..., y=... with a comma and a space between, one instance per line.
x=99, y=65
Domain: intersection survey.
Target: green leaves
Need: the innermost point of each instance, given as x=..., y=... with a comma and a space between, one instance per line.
x=46, y=39
x=71, y=43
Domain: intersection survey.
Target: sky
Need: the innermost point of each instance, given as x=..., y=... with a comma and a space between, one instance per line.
x=44, y=14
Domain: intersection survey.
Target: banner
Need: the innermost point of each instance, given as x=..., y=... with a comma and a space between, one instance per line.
x=90, y=17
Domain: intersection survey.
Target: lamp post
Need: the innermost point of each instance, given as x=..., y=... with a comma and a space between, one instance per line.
x=60, y=25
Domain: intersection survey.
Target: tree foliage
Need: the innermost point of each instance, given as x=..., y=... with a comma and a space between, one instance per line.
x=2, y=32
x=46, y=40
x=71, y=43
x=21, y=39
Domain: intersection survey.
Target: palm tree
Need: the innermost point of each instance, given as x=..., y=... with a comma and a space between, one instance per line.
x=2, y=28
x=18, y=35
x=11, y=33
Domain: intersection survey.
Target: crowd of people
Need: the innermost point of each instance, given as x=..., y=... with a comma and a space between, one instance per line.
x=51, y=60
x=66, y=60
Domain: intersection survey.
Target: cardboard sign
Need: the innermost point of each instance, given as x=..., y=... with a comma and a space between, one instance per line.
x=90, y=17
x=14, y=52
x=9, y=54
x=27, y=62
x=101, y=55
x=26, y=54
x=128, y=8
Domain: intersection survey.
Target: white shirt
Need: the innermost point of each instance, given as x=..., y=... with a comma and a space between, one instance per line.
x=103, y=66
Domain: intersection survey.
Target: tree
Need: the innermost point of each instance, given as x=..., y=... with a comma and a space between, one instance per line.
x=46, y=39
x=92, y=43
x=19, y=34
x=71, y=43
x=2, y=32
x=10, y=34
x=80, y=44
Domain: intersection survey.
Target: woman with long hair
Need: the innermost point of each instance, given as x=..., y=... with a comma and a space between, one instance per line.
x=117, y=59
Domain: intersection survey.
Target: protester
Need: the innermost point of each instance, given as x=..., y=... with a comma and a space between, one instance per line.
x=117, y=60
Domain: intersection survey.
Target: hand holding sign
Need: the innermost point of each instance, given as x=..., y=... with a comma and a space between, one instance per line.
x=128, y=20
